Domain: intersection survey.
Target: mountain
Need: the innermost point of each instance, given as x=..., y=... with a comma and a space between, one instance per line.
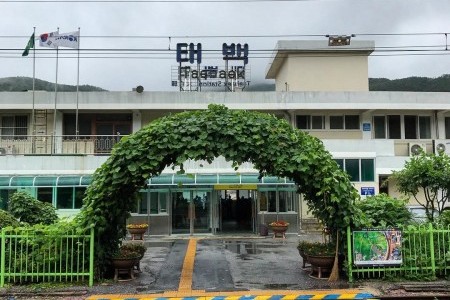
x=411, y=84
x=408, y=84
x=20, y=84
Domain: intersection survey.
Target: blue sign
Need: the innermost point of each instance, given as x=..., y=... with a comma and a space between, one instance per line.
x=368, y=191
x=366, y=126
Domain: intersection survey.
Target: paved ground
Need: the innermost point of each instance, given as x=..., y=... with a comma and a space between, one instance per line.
x=245, y=267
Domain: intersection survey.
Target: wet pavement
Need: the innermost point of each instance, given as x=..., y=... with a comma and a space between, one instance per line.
x=224, y=264
x=184, y=266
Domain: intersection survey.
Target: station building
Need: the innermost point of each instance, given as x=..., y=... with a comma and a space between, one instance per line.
x=320, y=88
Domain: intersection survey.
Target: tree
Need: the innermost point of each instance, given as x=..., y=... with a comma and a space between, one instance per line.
x=28, y=209
x=384, y=211
x=429, y=174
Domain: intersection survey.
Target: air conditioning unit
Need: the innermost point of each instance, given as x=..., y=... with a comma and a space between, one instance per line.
x=416, y=148
x=441, y=146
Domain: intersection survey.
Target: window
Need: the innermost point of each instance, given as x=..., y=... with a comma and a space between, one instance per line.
x=336, y=122
x=394, y=131
x=415, y=127
x=352, y=122
x=367, y=170
x=69, y=197
x=344, y=122
x=352, y=168
x=64, y=198
x=14, y=127
x=310, y=122
x=379, y=127
x=424, y=127
x=156, y=205
x=268, y=201
x=358, y=169
x=286, y=201
x=5, y=194
x=447, y=127
x=45, y=194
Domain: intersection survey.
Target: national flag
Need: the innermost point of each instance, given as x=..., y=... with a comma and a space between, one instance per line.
x=48, y=40
x=56, y=39
x=29, y=45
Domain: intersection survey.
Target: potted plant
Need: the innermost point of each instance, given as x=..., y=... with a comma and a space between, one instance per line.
x=320, y=255
x=137, y=230
x=126, y=258
x=279, y=228
x=301, y=250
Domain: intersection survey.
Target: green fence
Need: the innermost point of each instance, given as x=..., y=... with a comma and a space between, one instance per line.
x=425, y=252
x=42, y=255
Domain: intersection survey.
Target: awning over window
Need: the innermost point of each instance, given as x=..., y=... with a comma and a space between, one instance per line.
x=44, y=181
x=163, y=179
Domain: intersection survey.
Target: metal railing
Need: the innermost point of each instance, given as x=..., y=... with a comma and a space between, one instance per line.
x=425, y=253
x=40, y=255
x=62, y=144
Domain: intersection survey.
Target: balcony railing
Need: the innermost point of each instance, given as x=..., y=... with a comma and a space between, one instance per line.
x=54, y=145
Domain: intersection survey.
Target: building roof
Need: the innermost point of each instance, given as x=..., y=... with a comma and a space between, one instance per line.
x=285, y=48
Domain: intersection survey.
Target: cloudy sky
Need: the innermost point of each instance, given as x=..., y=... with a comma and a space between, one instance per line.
x=126, y=43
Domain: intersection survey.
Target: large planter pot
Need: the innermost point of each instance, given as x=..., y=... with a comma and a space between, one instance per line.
x=304, y=258
x=137, y=233
x=320, y=265
x=279, y=230
x=124, y=266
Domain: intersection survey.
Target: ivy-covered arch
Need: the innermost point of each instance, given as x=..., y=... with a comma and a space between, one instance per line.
x=271, y=144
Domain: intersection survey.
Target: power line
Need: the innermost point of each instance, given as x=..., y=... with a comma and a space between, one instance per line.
x=238, y=36
x=151, y=1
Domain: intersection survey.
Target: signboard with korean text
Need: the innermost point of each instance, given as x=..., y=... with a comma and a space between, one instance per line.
x=377, y=247
x=367, y=191
x=191, y=75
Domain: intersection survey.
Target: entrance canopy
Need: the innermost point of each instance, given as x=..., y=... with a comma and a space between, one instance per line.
x=163, y=179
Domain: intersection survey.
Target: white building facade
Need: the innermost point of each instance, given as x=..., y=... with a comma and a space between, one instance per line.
x=320, y=89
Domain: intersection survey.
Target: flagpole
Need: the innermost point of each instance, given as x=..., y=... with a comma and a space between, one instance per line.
x=78, y=85
x=33, y=121
x=56, y=97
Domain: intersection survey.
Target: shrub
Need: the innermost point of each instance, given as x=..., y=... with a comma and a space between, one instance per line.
x=6, y=219
x=130, y=250
x=27, y=209
x=382, y=211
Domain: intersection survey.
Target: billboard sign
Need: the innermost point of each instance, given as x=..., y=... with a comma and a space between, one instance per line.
x=375, y=247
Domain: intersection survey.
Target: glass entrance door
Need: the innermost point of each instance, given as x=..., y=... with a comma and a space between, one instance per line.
x=191, y=211
x=237, y=210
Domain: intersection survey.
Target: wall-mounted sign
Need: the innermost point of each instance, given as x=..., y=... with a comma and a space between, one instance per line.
x=367, y=191
x=235, y=187
x=377, y=247
x=192, y=77
x=366, y=126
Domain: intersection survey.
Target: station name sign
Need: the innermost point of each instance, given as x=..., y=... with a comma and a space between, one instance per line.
x=191, y=75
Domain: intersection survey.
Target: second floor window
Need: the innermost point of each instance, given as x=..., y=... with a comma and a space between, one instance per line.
x=310, y=122
x=415, y=127
x=344, y=122
x=14, y=127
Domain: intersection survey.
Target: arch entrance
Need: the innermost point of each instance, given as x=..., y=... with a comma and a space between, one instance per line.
x=270, y=144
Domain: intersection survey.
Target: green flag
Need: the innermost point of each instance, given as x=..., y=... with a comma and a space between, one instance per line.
x=29, y=45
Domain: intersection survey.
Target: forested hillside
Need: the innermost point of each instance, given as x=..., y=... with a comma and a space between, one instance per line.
x=20, y=84
x=412, y=84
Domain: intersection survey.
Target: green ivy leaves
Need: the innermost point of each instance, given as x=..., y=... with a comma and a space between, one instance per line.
x=274, y=147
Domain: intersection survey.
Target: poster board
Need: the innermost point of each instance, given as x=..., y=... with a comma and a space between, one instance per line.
x=375, y=247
